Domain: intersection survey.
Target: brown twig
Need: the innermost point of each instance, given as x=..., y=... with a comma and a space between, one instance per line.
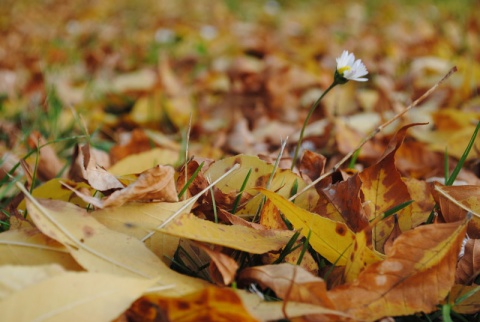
x=374, y=132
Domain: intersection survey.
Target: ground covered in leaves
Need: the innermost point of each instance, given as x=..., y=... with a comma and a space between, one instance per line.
x=146, y=161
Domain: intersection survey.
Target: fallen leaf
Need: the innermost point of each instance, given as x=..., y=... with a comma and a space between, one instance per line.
x=28, y=246
x=14, y=278
x=236, y=237
x=154, y=184
x=420, y=260
x=289, y=282
x=209, y=304
x=72, y=296
x=221, y=263
x=360, y=256
x=466, y=195
x=271, y=311
x=329, y=238
x=143, y=161
x=471, y=305
x=282, y=182
x=86, y=168
x=99, y=249
x=383, y=188
x=150, y=215
x=341, y=202
x=468, y=266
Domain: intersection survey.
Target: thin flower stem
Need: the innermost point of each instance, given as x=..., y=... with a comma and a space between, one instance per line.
x=312, y=109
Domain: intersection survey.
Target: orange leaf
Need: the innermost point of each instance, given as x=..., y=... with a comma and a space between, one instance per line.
x=210, y=304
x=420, y=262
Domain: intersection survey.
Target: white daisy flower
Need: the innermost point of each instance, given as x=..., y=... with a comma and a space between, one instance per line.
x=350, y=69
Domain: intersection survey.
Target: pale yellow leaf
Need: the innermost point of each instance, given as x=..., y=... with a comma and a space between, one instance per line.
x=73, y=296
x=140, y=162
x=150, y=215
x=99, y=249
x=28, y=246
x=14, y=278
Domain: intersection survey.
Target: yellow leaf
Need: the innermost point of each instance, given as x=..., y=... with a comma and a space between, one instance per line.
x=140, y=162
x=359, y=257
x=54, y=189
x=282, y=182
x=237, y=237
x=99, y=249
x=150, y=215
x=28, y=246
x=329, y=238
x=72, y=296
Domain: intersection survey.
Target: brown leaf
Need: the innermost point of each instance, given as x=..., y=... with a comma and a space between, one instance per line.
x=468, y=266
x=221, y=263
x=289, y=282
x=154, y=184
x=466, y=195
x=421, y=261
x=86, y=168
x=138, y=142
x=342, y=201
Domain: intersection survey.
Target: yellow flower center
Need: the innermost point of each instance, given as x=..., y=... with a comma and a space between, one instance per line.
x=344, y=69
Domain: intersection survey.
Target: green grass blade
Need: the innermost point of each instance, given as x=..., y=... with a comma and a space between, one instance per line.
x=242, y=188
x=189, y=182
x=304, y=248
x=460, y=163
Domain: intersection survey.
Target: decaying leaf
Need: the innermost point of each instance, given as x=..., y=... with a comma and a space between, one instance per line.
x=155, y=184
x=289, y=282
x=471, y=304
x=466, y=195
x=468, y=267
x=86, y=168
x=221, y=265
x=421, y=261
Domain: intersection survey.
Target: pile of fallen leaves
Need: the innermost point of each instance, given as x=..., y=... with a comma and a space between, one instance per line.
x=146, y=170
